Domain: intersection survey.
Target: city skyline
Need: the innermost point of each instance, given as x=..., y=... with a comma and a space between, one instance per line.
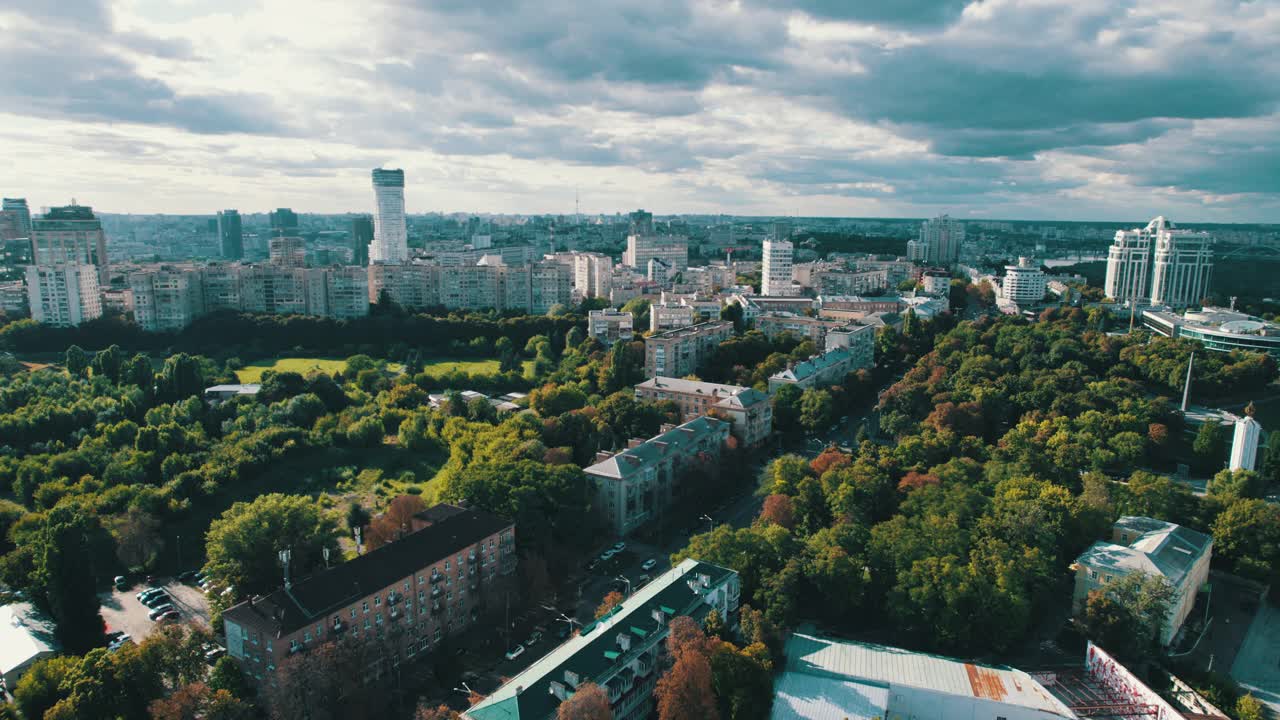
x=1057, y=110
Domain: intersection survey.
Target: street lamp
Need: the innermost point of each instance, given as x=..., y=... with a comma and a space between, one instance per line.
x=711, y=524
x=624, y=579
x=465, y=689
x=562, y=616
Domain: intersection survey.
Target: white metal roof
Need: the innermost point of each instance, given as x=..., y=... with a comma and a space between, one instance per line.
x=797, y=696
x=25, y=636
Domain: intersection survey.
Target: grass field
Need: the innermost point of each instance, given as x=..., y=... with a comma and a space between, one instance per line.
x=252, y=372
x=472, y=367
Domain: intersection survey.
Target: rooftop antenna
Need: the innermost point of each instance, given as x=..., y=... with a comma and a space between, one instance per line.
x=1186, y=389
x=285, y=556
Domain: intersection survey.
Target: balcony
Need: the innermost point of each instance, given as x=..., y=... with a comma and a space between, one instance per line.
x=436, y=577
x=339, y=627
x=436, y=592
x=394, y=612
x=471, y=558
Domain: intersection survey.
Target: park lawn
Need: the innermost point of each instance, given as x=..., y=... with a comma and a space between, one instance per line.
x=440, y=366
x=252, y=372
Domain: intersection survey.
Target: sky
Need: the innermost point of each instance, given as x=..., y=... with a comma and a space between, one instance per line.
x=1021, y=109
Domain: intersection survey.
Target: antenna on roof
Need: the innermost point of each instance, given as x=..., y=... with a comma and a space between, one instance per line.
x=285, y=556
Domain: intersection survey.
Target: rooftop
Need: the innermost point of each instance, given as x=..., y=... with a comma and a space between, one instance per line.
x=25, y=636
x=825, y=670
x=1158, y=548
x=633, y=459
x=285, y=611
x=693, y=329
x=595, y=652
x=813, y=365
x=246, y=389
x=691, y=387
x=745, y=399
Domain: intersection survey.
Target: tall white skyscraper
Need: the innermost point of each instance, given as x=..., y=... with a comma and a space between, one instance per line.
x=775, y=272
x=390, y=238
x=941, y=238
x=1159, y=265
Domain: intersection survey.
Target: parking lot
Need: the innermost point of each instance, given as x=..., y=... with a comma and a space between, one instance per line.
x=122, y=611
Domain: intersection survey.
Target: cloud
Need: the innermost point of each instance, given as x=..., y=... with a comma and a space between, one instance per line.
x=878, y=12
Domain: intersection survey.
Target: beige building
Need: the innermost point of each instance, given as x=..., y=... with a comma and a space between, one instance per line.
x=747, y=409
x=1153, y=547
x=63, y=294
x=663, y=316
x=670, y=249
x=609, y=326
x=803, y=327
x=405, y=597
x=676, y=353
x=166, y=299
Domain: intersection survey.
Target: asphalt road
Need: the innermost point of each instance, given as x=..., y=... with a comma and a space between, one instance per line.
x=122, y=611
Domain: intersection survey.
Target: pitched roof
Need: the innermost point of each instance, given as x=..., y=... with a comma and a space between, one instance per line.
x=749, y=397
x=812, y=366
x=1158, y=548
x=690, y=387
x=633, y=459
x=26, y=635
x=285, y=611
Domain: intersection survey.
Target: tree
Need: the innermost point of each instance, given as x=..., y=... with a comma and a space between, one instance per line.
x=1127, y=617
x=396, y=522
x=779, y=510
x=228, y=676
x=76, y=360
x=1271, y=461
x=107, y=363
x=1210, y=444
x=786, y=409
x=742, y=681
x=817, y=410
x=39, y=689
x=685, y=691
x=552, y=400
x=440, y=712
x=138, y=539
x=611, y=601
x=1248, y=534
x=1249, y=707
x=1236, y=484
x=198, y=701
x=181, y=377
x=588, y=702
x=243, y=545
x=65, y=583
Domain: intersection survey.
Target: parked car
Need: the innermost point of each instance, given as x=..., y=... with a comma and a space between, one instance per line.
x=168, y=616
x=619, y=546
x=161, y=610
x=607, y=555
x=142, y=596
x=155, y=601
x=642, y=581
x=188, y=576
x=535, y=637
x=211, y=656
x=121, y=582
x=114, y=635
x=515, y=652
x=649, y=564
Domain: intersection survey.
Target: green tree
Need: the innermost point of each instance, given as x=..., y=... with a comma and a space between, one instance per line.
x=786, y=409
x=1271, y=460
x=64, y=577
x=552, y=400
x=181, y=377
x=415, y=433
x=41, y=687
x=1127, y=617
x=817, y=410
x=1247, y=533
x=1210, y=444
x=76, y=360
x=1231, y=485
x=107, y=363
x=1249, y=707
x=243, y=545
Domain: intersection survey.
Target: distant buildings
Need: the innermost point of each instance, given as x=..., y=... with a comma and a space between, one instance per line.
x=610, y=326
x=15, y=219
x=287, y=252
x=1244, y=444
x=775, y=273
x=637, y=484
x=665, y=316
x=64, y=293
x=230, y=235
x=70, y=235
x=592, y=274
x=672, y=250
x=933, y=282
x=1024, y=283
x=801, y=326
x=166, y=299
x=404, y=597
x=1159, y=265
x=1218, y=329
x=679, y=352
x=1153, y=547
x=361, y=238
x=819, y=371
x=284, y=222
x=532, y=287
x=939, y=242
x=622, y=652
x=747, y=409
x=390, y=234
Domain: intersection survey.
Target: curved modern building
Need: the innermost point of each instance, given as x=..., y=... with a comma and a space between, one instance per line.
x=390, y=237
x=1024, y=282
x=1217, y=329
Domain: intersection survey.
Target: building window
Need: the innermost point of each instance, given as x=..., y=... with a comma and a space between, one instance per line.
x=365, y=606
x=377, y=601
x=1093, y=574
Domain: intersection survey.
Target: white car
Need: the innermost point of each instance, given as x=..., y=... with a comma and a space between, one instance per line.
x=619, y=547
x=649, y=564
x=515, y=652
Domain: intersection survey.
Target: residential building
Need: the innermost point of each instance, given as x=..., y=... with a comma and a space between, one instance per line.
x=284, y=222
x=13, y=299
x=917, y=251
x=1244, y=444
x=166, y=299
x=287, y=252
x=230, y=235
x=680, y=352
x=819, y=371
x=221, y=393
x=361, y=238
x=775, y=274
x=802, y=327
x=1159, y=265
x=1024, y=283
x=855, y=303
x=747, y=410
x=896, y=271
x=26, y=638
x=550, y=284
x=1217, y=329
x=63, y=293
x=933, y=282
x=70, y=235
x=849, y=282
x=1153, y=547
x=404, y=597
x=941, y=239
x=621, y=652
x=829, y=679
x=609, y=326
x=639, y=483
x=859, y=339
x=409, y=286
x=672, y=250
x=16, y=217
x=221, y=287
x=794, y=304
x=641, y=223
x=591, y=274
x=346, y=291
x=390, y=234
x=658, y=273
x=665, y=316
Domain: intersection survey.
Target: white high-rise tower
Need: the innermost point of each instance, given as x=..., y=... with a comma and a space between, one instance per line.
x=1160, y=265
x=775, y=271
x=390, y=238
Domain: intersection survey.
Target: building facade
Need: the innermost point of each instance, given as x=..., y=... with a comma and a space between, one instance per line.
x=70, y=235
x=1244, y=444
x=775, y=273
x=361, y=238
x=287, y=251
x=1217, y=329
x=17, y=217
x=610, y=326
x=1159, y=265
x=802, y=327
x=390, y=234
x=638, y=484
x=672, y=250
x=679, y=352
x=404, y=598
x=592, y=273
x=64, y=294
x=666, y=316
x=1024, y=283
x=230, y=235
x=621, y=652
x=819, y=371
x=941, y=239
x=166, y=299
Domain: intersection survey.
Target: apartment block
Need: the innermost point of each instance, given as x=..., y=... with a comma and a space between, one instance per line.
x=672, y=250
x=609, y=326
x=346, y=291
x=70, y=235
x=550, y=284
x=592, y=273
x=663, y=316
x=166, y=299
x=748, y=410
x=819, y=371
x=849, y=282
x=410, y=286
x=406, y=596
x=63, y=293
x=803, y=327
x=676, y=353
x=859, y=339
x=639, y=483
x=621, y=652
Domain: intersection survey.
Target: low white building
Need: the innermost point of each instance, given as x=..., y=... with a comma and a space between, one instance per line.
x=218, y=393
x=26, y=637
x=1024, y=283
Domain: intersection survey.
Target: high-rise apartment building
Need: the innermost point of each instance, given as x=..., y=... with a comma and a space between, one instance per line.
x=70, y=235
x=550, y=284
x=641, y=223
x=166, y=299
x=231, y=235
x=775, y=272
x=361, y=237
x=63, y=293
x=591, y=274
x=1024, y=283
x=680, y=352
x=346, y=291
x=15, y=219
x=942, y=238
x=390, y=234
x=672, y=250
x=284, y=222
x=287, y=251
x=1159, y=265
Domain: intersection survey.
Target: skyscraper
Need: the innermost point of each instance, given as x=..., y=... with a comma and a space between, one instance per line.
x=18, y=217
x=361, y=237
x=775, y=271
x=230, y=233
x=390, y=237
x=642, y=223
x=1160, y=265
x=941, y=238
x=284, y=223
x=70, y=234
